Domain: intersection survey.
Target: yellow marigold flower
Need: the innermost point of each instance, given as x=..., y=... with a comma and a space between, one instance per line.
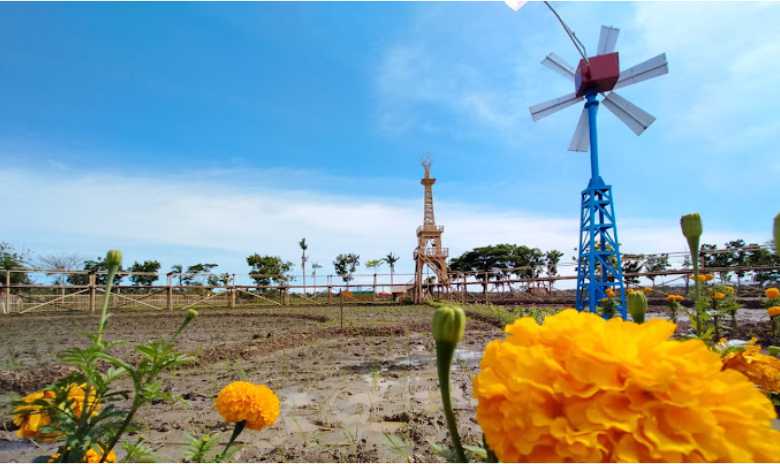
x=773, y=311
x=30, y=417
x=729, y=290
x=610, y=292
x=718, y=296
x=647, y=290
x=93, y=455
x=245, y=401
x=76, y=400
x=581, y=388
x=772, y=293
x=762, y=369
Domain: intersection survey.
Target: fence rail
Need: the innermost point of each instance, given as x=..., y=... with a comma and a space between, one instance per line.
x=484, y=287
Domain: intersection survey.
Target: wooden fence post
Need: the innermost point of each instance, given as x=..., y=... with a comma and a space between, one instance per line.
x=374, y=286
x=465, y=289
x=7, y=293
x=487, y=283
x=92, y=292
x=330, y=295
x=341, y=308
x=169, y=294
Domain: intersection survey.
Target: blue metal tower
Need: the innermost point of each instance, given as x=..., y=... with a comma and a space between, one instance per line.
x=599, y=265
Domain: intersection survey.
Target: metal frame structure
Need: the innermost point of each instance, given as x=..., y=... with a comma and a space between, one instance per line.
x=429, y=252
x=599, y=263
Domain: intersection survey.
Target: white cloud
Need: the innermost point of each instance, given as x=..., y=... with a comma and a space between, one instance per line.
x=179, y=220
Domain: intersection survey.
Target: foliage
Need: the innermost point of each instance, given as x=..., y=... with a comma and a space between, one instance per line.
x=758, y=256
x=501, y=261
x=220, y=280
x=374, y=263
x=10, y=258
x=195, y=273
x=551, y=260
x=345, y=265
x=97, y=266
x=86, y=410
x=656, y=263
x=61, y=262
x=632, y=264
x=146, y=266
x=267, y=270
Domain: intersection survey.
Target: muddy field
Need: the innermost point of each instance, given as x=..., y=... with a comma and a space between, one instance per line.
x=364, y=392
x=367, y=392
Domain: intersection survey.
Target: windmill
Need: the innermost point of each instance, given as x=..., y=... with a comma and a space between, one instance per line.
x=599, y=262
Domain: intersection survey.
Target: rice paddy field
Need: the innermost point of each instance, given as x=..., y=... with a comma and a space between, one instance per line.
x=361, y=388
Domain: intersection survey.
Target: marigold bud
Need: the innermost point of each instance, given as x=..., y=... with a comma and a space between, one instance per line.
x=692, y=229
x=114, y=259
x=637, y=306
x=191, y=314
x=449, y=322
x=776, y=234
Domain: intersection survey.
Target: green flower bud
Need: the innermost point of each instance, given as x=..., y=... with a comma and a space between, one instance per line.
x=692, y=229
x=637, y=306
x=191, y=314
x=777, y=234
x=449, y=322
x=114, y=259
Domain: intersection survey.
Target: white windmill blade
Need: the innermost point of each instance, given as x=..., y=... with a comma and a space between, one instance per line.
x=653, y=67
x=580, y=140
x=633, y=116
x=607, y=39
x=551, y=106
x=559, y=65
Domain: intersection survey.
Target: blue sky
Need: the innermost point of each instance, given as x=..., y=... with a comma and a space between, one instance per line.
x=193, y=132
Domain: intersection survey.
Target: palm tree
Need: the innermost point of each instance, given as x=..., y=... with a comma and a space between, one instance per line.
x=391, y=259
x=178, y=269
x=303, y=246
x=314, y=267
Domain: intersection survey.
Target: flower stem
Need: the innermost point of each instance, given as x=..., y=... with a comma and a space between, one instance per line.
x=104, y=313
x=122, y=428
x=444, y=354
x=236, y=432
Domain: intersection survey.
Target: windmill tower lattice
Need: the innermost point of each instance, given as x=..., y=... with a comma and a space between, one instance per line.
x=429, y=251
x=599, y=264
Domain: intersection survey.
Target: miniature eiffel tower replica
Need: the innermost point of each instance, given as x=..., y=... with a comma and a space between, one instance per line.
x=429, y=251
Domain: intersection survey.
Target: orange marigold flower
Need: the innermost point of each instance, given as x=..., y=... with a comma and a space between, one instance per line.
x=581, y=388
x=674, y=298
x=762, y=369
x=30, y=417
x=647, y=290
x=245, y=401
x=718, y=296
x=772, y=293
x=708, y=277
x=773, y=311
x=610, y=292
x=93, y=455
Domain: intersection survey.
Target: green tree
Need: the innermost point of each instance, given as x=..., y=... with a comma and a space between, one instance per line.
x=304, y=246
x=100, y=268
x=345, y=265
x=391, y=259
x=195, y=273
x=632, y=264
x=10, y=258
x=267, y=270
x=656, y=263
x=219, y=280
x=737, y=257
x=759, y=256
x=146, y=266
x=178, y=269
x=551, y=260
x=711, y=257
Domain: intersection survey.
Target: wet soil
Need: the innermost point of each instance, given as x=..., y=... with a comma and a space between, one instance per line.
x=361, y=390
x=366, y=391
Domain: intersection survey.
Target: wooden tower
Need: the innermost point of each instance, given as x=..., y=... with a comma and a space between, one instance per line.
x=429, y=251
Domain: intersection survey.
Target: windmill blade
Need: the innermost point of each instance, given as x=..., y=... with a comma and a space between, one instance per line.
x=559, y=65
x=633, y=116
x=552, y=106
x=607, y=39
x=653, y=67
x=580, y=140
